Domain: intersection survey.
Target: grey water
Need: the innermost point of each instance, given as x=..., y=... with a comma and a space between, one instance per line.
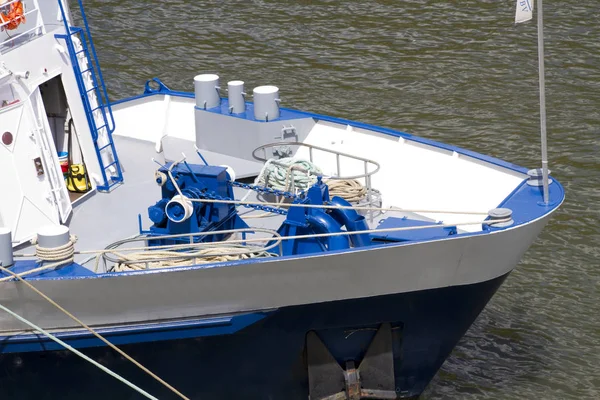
x=458, y=72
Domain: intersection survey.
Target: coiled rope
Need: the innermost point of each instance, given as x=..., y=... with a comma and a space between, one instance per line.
x=170, y=258
x=184, y=254
x=291, y=174
x=350, y=190
x=61, y=255
x=288, y=174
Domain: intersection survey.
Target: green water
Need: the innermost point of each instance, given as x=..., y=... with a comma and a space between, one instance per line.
x=459, y=72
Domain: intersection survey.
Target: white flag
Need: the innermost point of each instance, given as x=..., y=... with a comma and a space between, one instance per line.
x=524, y=11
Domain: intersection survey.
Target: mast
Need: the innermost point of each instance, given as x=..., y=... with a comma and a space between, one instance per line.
x=540, y=30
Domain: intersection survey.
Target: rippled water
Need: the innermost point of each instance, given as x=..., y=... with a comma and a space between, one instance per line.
x=459, y=72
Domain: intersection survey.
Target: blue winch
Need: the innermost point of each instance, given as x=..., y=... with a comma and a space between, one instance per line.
x=309, y=221
x=178, y=214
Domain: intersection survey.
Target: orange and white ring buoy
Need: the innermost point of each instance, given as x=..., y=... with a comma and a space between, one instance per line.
x=14, y=17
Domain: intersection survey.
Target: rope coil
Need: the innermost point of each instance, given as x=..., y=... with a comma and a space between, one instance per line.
x=62, y=253
x=164, y=259
x=281, y=174
x=350, y=190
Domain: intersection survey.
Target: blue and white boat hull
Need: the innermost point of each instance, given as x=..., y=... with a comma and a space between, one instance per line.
x=265, y=360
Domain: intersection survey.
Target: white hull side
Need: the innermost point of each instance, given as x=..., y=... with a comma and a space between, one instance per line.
x=189, y=292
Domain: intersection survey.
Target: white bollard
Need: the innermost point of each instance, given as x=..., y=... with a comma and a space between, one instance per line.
x=206, y=87
x=237, y=102
x=6, y=253
x=266, y=103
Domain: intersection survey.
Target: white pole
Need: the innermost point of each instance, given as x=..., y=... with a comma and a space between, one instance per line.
x=540, y=27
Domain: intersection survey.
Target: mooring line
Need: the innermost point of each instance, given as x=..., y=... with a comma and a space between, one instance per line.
x=93, y=332
x=80, y=354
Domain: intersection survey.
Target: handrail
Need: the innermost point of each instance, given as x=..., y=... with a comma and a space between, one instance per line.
x=366, y=161
x=105, y=101
x=367, y=175
x=92, y=58
x=102, y=103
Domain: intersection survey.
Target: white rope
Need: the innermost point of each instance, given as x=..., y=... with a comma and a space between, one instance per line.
x=63, y=253
x=97, y=257
x=171, y=255
x=93, y=332
x=331, y=207
x=295, y=237
x=276, y=174
x=350, y=190
x=365, y=208
x=167, y=259
x=281, y=174
x=80, y=354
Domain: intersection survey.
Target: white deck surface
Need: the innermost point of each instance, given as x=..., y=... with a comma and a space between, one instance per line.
x=104, y=218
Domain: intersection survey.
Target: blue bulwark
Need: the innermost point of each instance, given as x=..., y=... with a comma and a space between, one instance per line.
x=68, y=270
x=140, y=333
x=412, y=234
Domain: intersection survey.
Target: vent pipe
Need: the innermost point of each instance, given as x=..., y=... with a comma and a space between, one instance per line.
x=206, y=87
x=266, y=103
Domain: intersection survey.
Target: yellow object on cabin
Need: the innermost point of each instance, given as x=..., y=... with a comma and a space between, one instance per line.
x=77, y=179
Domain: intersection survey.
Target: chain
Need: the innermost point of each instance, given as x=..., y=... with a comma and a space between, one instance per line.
x=263, y=189
x=256, y=188
x=275, y=210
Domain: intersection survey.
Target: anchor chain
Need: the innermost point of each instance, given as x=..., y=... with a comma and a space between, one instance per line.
x=263, y=189
x=259, y=189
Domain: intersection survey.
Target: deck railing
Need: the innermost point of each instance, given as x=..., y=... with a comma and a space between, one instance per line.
x=370, y=167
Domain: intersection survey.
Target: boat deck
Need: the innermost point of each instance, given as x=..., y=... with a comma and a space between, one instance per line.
x=100, y=219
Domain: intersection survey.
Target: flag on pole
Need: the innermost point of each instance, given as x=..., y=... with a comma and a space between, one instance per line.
x=524, y=11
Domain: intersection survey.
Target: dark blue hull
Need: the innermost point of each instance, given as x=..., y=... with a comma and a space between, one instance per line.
x=266, y=360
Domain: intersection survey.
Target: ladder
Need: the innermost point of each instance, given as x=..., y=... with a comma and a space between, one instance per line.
x=94, y=97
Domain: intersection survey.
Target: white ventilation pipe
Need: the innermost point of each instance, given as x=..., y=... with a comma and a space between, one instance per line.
x=237, y=102
x=266, y=103
x=206, y=87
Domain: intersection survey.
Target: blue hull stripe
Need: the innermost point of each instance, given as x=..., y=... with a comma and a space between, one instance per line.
x=132, y=334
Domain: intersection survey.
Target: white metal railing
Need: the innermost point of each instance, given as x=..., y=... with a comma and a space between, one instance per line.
x=32, y=27
x=370, y=166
